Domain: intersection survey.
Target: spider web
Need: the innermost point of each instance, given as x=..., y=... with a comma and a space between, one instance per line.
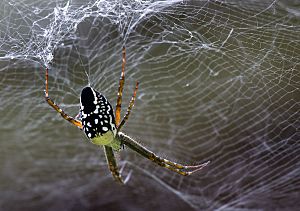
x=219, y=82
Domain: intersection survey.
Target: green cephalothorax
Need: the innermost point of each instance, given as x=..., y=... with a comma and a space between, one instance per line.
x=107, y=139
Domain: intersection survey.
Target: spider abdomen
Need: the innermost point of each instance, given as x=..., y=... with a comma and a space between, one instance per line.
x=97, y=117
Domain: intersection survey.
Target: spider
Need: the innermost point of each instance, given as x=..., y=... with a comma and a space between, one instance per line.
x=96, y=118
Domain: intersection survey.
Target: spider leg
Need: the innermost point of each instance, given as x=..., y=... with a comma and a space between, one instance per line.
x=178, y=168
x=72, y=120
x=111, y=160
x=120, y=89
x=130, y=106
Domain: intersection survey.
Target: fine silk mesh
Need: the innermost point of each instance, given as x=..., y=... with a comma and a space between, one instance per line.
x=219, y=81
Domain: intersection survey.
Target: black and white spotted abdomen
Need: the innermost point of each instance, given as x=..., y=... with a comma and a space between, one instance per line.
x=97, y=114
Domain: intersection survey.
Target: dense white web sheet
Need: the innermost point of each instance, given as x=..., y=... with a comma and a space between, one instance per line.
x=219, y=81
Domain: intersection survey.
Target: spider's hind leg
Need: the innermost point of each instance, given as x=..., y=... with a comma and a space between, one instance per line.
x=120, y=89
x=130, y=106
x=120, y=94
x=70, y=119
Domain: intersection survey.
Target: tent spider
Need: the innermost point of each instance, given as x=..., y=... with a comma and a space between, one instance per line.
x=96, y=118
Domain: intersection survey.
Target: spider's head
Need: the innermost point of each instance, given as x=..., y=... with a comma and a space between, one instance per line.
x=97, y=117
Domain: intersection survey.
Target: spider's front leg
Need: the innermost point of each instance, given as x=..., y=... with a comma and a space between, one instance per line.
x=178, y=168
x=70, y=119
x=112, y=164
